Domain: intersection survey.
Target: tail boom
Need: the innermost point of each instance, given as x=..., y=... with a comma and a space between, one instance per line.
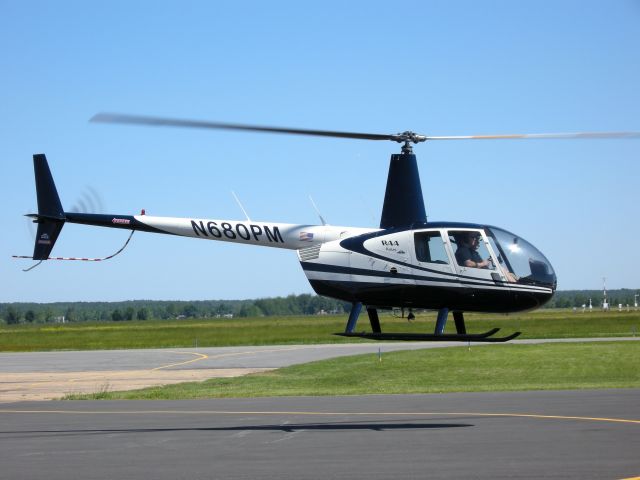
x=268, y=234
x=51, y=218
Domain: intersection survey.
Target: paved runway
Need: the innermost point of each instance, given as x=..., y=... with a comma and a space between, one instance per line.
x=552, y=434
x=51, y=375
x=574, y=434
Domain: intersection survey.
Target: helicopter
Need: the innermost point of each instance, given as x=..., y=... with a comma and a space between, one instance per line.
x=406, y=263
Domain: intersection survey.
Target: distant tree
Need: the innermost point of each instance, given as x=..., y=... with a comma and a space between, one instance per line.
x=71, y=315
x=129, y=313
x=143, y=313
x=12, y=316
x=190, y=310
x=222, y=308
x=30, y=316
x=579, y=300
x=250, y=310
x=172, y=310
x=116, y=315
x=47, y=314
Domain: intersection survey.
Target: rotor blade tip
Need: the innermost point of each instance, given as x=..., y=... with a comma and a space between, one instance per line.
x=103, y=117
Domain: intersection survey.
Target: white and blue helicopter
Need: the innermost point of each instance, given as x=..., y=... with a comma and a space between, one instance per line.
x=407, y=263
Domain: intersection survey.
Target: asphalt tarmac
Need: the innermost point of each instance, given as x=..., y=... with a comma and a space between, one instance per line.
x=542, y=434
x=554, y=434
x=52, y=375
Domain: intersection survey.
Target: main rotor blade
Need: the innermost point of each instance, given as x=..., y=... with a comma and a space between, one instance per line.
x=173, y=122
x=529, y=136
x=398, y=137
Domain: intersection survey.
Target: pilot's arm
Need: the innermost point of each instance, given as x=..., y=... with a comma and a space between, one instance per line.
x=473, y=264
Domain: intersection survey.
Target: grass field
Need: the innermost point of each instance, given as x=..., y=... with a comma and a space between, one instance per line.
x=296, y=330
x=481, y=368
x=456, y=369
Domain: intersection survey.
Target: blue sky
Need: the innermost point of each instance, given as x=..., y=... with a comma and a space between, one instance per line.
x=438, y=68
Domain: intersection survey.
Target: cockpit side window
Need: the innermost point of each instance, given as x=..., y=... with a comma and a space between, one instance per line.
x=430, y=248
x=470, y=250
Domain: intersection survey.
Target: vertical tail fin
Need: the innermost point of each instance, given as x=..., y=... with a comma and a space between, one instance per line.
x=50, y=217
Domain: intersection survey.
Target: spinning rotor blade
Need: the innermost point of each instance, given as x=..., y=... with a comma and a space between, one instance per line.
x=406, y=137
x=173, y=122
x=533, y=136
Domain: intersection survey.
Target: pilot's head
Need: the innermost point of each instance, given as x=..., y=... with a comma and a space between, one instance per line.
x=472, y=239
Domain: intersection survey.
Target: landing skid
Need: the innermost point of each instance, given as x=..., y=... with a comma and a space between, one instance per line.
x=437, y=336
x=433, y=337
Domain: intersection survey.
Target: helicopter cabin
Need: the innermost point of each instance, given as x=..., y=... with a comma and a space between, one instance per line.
x=459, y=266
x=485, y=253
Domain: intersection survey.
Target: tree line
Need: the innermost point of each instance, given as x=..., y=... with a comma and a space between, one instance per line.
x=578, y=298
x=306, y=304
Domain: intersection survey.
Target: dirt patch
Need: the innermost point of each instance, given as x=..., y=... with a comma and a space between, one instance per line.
x=51, y=386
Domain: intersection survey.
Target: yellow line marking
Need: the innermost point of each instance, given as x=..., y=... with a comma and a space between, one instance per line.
x=232, y=354
x=201, y=356
x=249, y=352
x=304, y=413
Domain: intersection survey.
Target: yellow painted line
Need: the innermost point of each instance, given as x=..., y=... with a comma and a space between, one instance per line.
x=326, y=414
x=232, y=354
x=249, y=352
x=201, y=356
x=554, y=417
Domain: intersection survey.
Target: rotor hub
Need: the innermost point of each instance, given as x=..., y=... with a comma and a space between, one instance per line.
x=408, y=138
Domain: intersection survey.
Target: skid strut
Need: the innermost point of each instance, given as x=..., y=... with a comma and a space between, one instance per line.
x=353, y=317
x=437, y=336
x=374, y=320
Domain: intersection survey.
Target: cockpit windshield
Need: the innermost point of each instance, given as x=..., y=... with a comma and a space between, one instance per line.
x=521, y=258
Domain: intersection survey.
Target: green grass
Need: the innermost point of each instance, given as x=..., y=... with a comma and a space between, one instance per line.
x=456, y=369
x=295, y=330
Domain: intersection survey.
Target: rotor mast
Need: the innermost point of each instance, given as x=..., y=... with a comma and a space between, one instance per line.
x=403, y=205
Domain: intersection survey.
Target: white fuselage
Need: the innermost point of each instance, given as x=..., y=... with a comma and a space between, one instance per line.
x=266, y=234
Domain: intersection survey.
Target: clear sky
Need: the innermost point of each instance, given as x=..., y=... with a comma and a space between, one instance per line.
x=438, y=68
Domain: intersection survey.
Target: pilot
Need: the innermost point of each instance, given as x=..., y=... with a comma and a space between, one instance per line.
x=467, y=252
